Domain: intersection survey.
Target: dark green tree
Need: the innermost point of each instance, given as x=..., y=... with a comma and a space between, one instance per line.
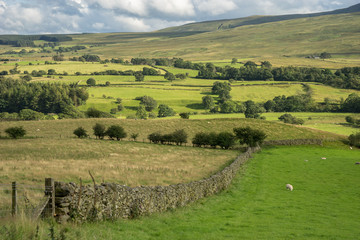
x=99, y=130
x=139, y=77
x=249, y=136
x=91, y=82
x=225, y=140
x=116, y=131
x=149, y=103
x=169, y=76
x=179, y=137
x=252, y=110
x=208, y=102
x=141, y=112
x=165, y=111
x=184, y=115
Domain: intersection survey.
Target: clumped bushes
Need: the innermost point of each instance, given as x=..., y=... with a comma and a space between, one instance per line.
x=354, y=140
x=99, y=130
x=15, y=132
x=288, y=118
x=178, y=137
x=80, y=132
x=95, y=113
x=165, y=111
x=184, y=115
x=224, y=140
x=249, y=136
x=116, y=131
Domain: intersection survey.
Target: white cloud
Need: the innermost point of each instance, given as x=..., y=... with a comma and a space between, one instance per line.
x=98, y=25
x=176, y=7
x=132, y=24
x=215, y=7
x=137, y=7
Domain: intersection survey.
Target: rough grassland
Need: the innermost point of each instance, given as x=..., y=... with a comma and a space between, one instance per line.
x=65, y=128
x=323, y=205
x=335, y=34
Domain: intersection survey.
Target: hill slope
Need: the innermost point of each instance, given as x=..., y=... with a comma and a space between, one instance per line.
x=337, y=34
x=253, y=20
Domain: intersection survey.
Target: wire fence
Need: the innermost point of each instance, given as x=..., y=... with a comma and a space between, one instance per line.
x=24, y=199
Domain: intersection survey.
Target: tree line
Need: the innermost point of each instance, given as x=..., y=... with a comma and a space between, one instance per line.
x=16, y=95
x=295, y=103
x=224, y=140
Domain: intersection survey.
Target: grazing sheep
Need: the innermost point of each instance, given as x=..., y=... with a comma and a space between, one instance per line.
x=357, y=163
x=323, y=158
x=289, y=187
x=350, y=147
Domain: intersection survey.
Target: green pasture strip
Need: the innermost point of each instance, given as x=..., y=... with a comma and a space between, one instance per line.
x=85, y=68
x=192, y=73
x=329, y=122
x=320, y=92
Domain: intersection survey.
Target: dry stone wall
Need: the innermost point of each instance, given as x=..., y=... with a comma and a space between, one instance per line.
x=113, y=201
x=294, y=142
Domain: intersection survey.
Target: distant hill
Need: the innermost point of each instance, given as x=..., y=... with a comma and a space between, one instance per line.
x=252, y=20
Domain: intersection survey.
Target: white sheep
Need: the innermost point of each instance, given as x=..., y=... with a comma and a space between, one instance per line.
x=289, y=187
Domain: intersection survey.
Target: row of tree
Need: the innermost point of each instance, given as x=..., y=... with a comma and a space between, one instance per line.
x=113, y=132
x=348, y=77
x=225, y=140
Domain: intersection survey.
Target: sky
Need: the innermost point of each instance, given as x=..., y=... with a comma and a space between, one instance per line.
x=92, y=16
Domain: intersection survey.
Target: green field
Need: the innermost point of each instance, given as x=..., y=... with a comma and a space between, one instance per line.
x=323, y=204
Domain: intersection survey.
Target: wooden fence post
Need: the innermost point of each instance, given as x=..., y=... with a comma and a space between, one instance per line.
x=14, y=199
x=50, y=191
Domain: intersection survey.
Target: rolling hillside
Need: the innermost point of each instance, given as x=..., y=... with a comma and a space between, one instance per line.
x=252, y=20
x=336, y=34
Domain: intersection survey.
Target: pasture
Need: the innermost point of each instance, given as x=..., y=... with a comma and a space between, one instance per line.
x=323, y=204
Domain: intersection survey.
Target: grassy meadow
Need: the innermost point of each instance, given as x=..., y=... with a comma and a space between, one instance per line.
x=323, y=204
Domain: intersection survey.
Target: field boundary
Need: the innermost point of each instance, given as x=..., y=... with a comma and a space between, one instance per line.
x=290, y=142
x=114, y=201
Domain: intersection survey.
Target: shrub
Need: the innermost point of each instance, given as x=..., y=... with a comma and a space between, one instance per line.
x=149, y=103
x=80, y=132
x=28, y=114
x=107, y=83
x=99, y=130
x=15, y=132
x=225, y=140
x=120, y=107
x=134, y=136
x=354, y=139
x=113, y=111
x=116, y=131
x=179, y=137
x=249, y=136
x=91, y=82
x=141, y=112
x=165, y=111
x=288, y=118
x=94, y=113
x=184, y=115
x=350, y=119
x=154, y=137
